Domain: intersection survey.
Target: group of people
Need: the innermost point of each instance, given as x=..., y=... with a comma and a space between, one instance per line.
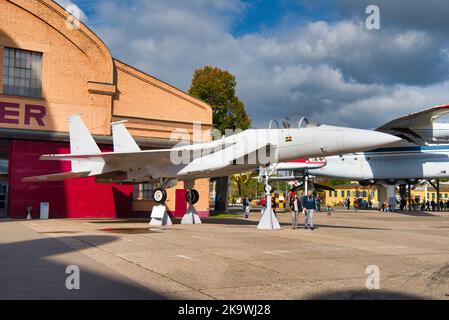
x=443, y=205
x=248, y=205
x=309, y=205
x=416, y=204
x=433, y=205
x=358, y=204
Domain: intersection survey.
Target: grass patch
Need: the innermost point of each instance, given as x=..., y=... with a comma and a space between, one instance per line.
x=222, y=215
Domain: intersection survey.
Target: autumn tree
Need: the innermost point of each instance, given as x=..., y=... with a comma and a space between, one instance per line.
x=218, y=88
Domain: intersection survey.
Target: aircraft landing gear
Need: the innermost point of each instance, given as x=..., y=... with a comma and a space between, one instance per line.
x=269, y=220
x=159, y=215
x=267, y=188
x=191, y=216
x=192, y=196
x=160, y=196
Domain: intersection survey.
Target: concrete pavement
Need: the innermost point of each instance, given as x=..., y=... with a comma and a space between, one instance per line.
x=230, y=259
x=33, y=266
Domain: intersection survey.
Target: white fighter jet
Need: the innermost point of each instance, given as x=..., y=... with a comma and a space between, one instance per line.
x=242, y=152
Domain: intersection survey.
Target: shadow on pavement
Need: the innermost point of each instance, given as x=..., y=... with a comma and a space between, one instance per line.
x=35, y=268
x=364, y=295
x=241, y=221
x=416, y=213
x=350, y=227
x=230, y=221
x=120, y=221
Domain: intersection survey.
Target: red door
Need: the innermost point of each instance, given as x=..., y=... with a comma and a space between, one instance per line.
x=181, y=203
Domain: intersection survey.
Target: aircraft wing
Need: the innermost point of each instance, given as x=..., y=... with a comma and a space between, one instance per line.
x=57, y=177
x=408, y=127
x=136, y=157
x=161, y=159
x=220, y=162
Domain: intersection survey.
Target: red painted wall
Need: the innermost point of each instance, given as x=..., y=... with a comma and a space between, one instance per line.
x=181, y=203
x=80, y=198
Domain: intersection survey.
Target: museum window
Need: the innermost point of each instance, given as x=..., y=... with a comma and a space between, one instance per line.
x=22, y=73
x=342, y=194
x=330, y=194
x=144, y=191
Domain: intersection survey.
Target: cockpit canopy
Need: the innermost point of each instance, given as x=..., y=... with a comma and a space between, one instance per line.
x=302, y=123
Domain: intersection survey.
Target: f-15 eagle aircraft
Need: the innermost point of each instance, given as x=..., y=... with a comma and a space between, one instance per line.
x=422, y=154
x=238, y=153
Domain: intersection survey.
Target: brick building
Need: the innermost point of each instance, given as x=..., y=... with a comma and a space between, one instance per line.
x=50, y=70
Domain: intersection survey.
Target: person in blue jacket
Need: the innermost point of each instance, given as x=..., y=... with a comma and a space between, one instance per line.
x=309, y=207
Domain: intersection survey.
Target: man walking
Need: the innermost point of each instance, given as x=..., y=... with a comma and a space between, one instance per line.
x=309, y=208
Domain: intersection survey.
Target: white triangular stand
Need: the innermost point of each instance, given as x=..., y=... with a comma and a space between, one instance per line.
x=29, y=213
x=269, y=220
x=191, y=216
x=160, y=217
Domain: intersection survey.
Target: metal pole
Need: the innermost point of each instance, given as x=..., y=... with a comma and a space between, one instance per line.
x=438, y=195
x=409, y=198
x=306, y=185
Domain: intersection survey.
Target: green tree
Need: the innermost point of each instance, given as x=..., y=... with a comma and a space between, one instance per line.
x=217, y=88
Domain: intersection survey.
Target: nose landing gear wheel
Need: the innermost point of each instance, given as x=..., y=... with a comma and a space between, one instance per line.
x=160, y=195
x=191, y=216
x=192, y=196
x=268, y=188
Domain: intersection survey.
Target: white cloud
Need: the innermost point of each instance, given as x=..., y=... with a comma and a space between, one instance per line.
x=338, y=73
x=73, y=9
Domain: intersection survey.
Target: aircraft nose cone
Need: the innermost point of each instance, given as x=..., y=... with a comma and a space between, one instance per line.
x=364, y=140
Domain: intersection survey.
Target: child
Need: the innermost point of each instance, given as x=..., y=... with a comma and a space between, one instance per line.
x=329, y=210
x=248, y=209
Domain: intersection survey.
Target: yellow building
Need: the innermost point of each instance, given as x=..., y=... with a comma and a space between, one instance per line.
x=424, y=193
x=371, y=193
x=352, y=191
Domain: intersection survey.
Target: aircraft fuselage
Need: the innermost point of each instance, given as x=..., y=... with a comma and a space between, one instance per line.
x=396, y=163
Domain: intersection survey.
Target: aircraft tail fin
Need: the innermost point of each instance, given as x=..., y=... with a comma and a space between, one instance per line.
x=123, y=141
x=81, y=142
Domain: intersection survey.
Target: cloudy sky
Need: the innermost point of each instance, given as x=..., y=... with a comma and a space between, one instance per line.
x=290, y=57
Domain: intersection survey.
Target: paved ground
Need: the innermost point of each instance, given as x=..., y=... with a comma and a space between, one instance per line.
x=228, y=258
